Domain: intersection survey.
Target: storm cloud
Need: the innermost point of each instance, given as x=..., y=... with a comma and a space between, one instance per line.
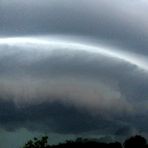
x=74, y=67
x=33, y=74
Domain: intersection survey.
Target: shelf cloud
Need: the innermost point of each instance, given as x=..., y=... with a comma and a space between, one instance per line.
x=74, y=67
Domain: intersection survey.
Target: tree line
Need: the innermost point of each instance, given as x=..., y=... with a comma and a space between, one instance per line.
x=132, y=142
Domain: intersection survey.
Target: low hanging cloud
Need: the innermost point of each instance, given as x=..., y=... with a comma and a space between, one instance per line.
x=38, y=82
x=40, y=75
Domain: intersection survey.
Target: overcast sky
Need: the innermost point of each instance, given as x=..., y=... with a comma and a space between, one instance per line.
x=65, y=62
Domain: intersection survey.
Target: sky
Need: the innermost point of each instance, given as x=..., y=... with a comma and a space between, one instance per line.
x=73, y=68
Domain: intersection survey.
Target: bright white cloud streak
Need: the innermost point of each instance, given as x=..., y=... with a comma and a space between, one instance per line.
x=50, y=44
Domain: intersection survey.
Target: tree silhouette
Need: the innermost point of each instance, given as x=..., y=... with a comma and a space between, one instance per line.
x=135, y=142
x=132, y=142
x=37, y=143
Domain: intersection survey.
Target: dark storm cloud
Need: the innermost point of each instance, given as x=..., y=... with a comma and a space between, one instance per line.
x=76, y=68
x=55, y=117
x=43, y=91
x=71, y=76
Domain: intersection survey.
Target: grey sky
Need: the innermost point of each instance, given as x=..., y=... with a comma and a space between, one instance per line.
x=123, y=23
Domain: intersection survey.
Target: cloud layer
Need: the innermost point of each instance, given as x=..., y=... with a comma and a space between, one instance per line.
x=35, y=79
